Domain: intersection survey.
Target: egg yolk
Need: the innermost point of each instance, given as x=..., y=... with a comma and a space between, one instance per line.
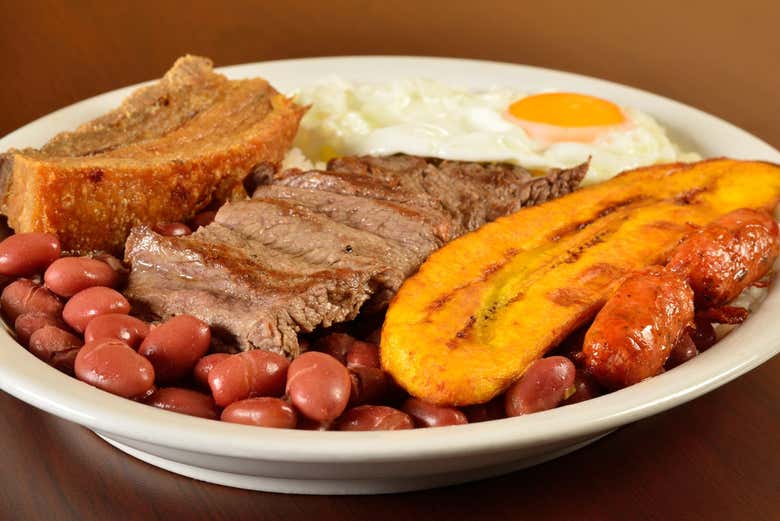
x=566, y=116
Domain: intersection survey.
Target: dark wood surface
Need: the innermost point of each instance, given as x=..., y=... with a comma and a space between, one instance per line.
x=715, y=458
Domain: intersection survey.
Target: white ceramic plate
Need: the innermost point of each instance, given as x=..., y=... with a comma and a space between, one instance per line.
x=376, y=462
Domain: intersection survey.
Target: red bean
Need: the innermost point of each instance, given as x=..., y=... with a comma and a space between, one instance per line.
x=203, y=219
x=129, y=330
x=56, y=347
x=69, y=275
x=184, y=401
x=28, y=323
x=682, y=351
x=585, y=388
x=172, y=229
x=374, y=418
x=24, y=296
x=428, y=415
x=542, y=386
x=362, y=354
x=92, y=302
x=263, y=412
x=318, y=385
x=246, y=375
x=482, y=412
x=703, y=335
x=24, y=254
x=336, y=345
x=175, y=346
x=369, y=385
x=115, y=367
x=204, y=367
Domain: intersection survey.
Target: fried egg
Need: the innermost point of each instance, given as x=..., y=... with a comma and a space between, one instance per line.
x=428, y=118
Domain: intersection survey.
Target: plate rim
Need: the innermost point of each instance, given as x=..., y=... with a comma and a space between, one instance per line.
x=23, y=375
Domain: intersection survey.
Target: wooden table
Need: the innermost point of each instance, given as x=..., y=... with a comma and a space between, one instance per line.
x=715, y=458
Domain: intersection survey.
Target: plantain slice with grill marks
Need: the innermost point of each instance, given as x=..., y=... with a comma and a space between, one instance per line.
x=485, y=306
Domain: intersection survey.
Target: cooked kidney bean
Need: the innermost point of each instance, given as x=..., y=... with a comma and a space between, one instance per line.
x=428, y=415
x=246, y=375
x=69, y=275
x=24, y=254
x=542, y=386
x=374, y=418
x=369, y=385
x=703, y=335
x=172, y=229
x=336, y=345
x=682, y=351
x=482, y=412
x=263, y=412
x=92, y=302
x=318, y=385
x=203, y=219
x=362, y=354
x=129, y=330
x=56, y=347
x=24, y=296
x=184, y=401
x=175, y=346
x=115, y=367
x=585, y=388
x=28, y=323
x=204, y=366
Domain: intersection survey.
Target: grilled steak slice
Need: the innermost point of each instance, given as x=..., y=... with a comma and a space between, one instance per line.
x=376, y=219
x=169, y=150
x=251, y=295
x=471, y=193
x=293, y=229
x=418, y=231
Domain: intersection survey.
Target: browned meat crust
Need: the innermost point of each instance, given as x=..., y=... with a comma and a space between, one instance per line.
x=168, y=151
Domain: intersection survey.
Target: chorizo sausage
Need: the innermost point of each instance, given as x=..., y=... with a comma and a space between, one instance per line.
x=634, y=332
x=726, y=256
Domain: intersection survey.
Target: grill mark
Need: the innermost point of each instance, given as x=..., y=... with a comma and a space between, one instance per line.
x=692, y=196
x=567, y=297
x=439, y=302
x=557, y=235
x=452, y=343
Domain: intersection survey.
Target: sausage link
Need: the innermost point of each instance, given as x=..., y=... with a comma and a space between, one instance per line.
x=633, y=334
x=726, y=256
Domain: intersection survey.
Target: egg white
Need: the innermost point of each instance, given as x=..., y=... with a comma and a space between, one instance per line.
x=428, y=118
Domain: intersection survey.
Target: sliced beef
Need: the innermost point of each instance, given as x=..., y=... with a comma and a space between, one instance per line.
x=310, y=248
x=253, y=297
x=416, y=230
x=471, y=193
x=285, y=226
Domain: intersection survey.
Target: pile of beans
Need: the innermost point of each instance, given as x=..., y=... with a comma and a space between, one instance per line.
x=69, y=313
